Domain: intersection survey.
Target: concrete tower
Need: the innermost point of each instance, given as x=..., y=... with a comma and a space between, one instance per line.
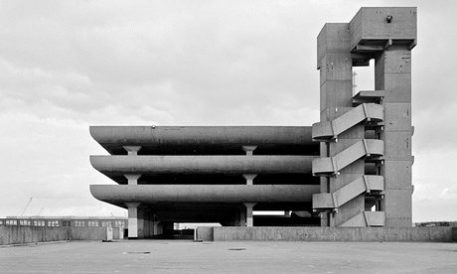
x=365, y=164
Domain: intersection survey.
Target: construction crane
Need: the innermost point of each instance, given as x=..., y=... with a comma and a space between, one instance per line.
x=26, y=206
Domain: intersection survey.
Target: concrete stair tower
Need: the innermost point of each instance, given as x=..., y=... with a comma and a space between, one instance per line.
x=365, y=155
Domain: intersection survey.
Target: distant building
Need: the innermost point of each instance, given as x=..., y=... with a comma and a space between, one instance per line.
x=351, y=169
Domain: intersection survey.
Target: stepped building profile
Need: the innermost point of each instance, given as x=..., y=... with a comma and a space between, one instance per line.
x=351, y=169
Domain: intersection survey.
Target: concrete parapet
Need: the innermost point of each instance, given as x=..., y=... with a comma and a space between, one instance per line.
x=10, y=235
x=206, y=140
x=118, y=233
x=29, y=234
x=120, y=194
x=108, y=234
x=87, y=233
x=362, y=234
x=204, y=233
x=201, y=135
x=198, y=164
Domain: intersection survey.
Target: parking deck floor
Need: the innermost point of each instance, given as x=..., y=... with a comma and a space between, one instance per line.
x=162, y=256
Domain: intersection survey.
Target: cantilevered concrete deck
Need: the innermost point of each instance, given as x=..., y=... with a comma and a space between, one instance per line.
x=206, y=140
x=204, y=169
x=122, y=194
x=207, y=174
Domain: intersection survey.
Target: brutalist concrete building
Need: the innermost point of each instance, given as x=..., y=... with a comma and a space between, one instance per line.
x=351, y=169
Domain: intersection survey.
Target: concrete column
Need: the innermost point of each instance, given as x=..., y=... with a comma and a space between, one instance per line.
x=133, y=220
x=249, y=178
x=141, y=217
x=132, y=150
x=249, y=150
x=148, y=223
x=393, y=74
x=132, y=179
x=249, y=214
x=158, y=228
x=241, y=217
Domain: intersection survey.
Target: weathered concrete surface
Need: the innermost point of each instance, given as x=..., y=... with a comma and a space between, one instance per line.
x=30, y=234
x=197, y=164
x=368, y=24
x=118, y=233
x=87, y=233
x=335, y=66
x=413, y=234
x=204, y=139
x=230, y=257
x=117, y=194
x=182, y=135
x=204, y=233
x=10, y=235
x=386, y=34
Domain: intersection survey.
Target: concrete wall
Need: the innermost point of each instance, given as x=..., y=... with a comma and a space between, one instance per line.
x=30, y=234
x=118, y=233
x=87, y=233
x=413, y=234
x=204, y=233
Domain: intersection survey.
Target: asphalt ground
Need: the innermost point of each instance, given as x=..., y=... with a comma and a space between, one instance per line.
x=168, y=256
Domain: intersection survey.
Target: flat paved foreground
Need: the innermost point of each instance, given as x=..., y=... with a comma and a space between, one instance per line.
x=153, y=256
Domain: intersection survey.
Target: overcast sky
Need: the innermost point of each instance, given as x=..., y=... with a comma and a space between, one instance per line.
x=65, y=65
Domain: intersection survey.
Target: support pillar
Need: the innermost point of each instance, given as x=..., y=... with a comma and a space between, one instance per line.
x=393, y=74
x=249, y=150
x=148, y=223
x=249, y=214
x=132, y=179
x=158, y=228
x=132, y=150
x=249, y=178
x=133, y=220
x=241, y=217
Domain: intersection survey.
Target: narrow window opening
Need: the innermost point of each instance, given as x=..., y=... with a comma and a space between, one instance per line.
x=363, y=77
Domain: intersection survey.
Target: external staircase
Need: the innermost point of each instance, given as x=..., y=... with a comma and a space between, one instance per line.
x=367, y=111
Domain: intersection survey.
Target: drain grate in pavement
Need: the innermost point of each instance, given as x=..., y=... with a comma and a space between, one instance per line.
x=137, y=252
x=237, y=249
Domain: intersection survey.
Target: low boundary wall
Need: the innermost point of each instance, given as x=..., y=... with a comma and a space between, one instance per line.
x=413, y=234
x=204, y=233
x=30, y=234
x=87, y=233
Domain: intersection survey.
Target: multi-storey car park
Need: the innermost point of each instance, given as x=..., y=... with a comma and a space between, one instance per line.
x=351, y=169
